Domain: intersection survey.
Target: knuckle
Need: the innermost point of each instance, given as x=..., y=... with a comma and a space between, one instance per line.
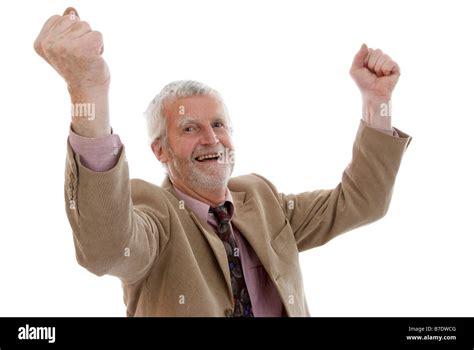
x=48, y=45
x=37, y=46
x=63, y=19
x=97, y=34
x=85, y=24
x=53, y=18
x=53, y=47
x=97, y=37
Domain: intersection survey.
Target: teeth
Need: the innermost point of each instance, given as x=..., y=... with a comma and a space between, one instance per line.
x=208, y=156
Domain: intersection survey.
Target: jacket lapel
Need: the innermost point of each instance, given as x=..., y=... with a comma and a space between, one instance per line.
x=248, y=219
x=213, y=240
x=217, y=248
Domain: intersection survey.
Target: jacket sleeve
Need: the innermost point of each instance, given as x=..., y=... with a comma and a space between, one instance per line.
x=111, y=236
x=362, y=196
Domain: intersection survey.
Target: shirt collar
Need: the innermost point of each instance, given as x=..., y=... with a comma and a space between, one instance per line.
x=201, y=209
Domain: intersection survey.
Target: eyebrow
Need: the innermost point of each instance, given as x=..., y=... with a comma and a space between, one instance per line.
x=186, y=120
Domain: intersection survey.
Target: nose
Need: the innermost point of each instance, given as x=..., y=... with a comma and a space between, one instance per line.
x=209, y=137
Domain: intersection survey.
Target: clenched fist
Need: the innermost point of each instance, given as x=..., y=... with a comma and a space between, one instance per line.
x=74, y=50
x=375, y=73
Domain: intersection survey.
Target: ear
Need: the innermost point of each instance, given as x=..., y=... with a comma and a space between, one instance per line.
x=159, y=151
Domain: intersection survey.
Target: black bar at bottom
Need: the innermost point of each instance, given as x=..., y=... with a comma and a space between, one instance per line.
x=322, y=333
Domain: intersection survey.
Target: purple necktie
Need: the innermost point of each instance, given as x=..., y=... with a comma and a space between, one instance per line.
x=242, y=304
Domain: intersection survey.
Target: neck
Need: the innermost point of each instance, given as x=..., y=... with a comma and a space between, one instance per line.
x=214, y=197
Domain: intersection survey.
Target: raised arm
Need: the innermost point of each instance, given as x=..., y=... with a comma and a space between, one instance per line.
x=365, y=190
x=112, y=235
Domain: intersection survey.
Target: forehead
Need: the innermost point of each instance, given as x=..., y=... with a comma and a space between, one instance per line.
x=196, y=107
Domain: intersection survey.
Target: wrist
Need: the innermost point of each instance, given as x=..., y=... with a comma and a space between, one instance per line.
x=81, y=93
x=90, y=111
x=377, y=111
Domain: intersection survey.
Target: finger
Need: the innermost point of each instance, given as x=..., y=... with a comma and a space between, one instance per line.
x=77, y=30
x=391, y=68
x=69, y=17
x=46, y=27
x=395, y=69
x=92, y=41
x=373, y=59
x=359, y=58
x=378, y=65
x=366, y=61
x=63, y=25
x=50, y=23
x=387, y=67
x=71, y=12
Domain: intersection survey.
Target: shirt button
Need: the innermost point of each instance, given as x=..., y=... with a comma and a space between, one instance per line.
x=229, y=313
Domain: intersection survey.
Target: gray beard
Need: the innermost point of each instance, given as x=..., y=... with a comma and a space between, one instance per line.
x=201, y=179
x=198, y=178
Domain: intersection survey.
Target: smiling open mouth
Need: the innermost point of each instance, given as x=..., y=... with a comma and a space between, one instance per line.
x=209, y=157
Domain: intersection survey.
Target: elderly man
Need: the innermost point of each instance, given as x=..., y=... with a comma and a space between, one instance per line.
x=205, y=244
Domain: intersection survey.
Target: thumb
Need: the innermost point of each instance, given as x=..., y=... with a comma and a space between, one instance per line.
x=360, y=57
x=71, y=12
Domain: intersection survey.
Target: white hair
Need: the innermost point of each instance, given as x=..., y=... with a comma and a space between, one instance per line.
x=155, y=114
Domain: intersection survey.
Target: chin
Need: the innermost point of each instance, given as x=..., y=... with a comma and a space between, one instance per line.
x=211, y=181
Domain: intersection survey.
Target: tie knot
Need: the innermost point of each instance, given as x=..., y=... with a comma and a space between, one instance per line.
x=222, y=216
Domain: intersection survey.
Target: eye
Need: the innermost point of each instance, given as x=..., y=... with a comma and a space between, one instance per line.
x=188, y=129
x=218, y=125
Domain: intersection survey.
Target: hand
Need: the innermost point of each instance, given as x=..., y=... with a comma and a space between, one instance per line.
x=375, y=73
x=74, y=50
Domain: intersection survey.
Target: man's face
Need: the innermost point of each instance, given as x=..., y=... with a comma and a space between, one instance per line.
x=200, y=152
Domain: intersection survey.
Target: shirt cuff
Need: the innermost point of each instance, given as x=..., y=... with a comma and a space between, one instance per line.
x=392, y=132
x=97, y=154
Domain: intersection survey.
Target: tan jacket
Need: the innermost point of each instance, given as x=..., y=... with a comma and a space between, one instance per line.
x=172, y=264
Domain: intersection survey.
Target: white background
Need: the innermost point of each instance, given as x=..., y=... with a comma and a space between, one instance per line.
x=282, y=67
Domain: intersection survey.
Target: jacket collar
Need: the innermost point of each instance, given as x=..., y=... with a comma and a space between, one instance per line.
x=246, y=217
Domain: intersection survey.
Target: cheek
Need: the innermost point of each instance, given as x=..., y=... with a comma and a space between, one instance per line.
x=183, y=148
x=226, y=140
